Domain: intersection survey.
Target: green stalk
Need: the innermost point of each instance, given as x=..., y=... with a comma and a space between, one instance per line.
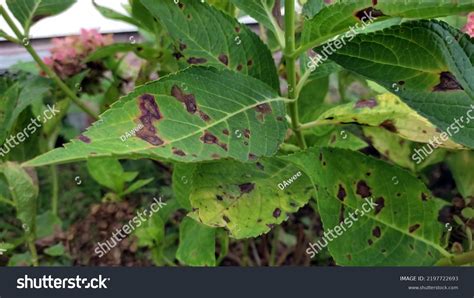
x=34, y=253
x=54, y=190
x=457, y=260
x=291, y=70
x=50, y=73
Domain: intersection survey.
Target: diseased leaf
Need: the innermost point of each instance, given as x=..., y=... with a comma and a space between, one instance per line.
x=28, y=12
x=388, y=112
x=342, y=16
x=248, y=199
x=197, y=244
x=385, y=216
x=207, y=36
x=428, y=65
x=195, y=115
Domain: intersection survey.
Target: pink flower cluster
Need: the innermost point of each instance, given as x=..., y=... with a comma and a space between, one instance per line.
x=469, y=29
x=68, y=54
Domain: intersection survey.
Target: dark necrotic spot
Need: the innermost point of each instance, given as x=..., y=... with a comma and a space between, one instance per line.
x=341, y=213
x=341, y=193
x=182, y=46
x=366, y=103
x=413, y=228
x=249, y=62
x=178, y=152
x=188, y=100
x=84, y=139
x=377, y=232
x=374, y=2
x=411, y=246
x=260, y=166
x=380, y=204
x=178, y=55
x=224, y=59
x=226, y=219
x=240, y=67
x=370, y=242
x=246, y=187
x=223, y=146
x=219, y=198
x=246, y=133
x=363, y=189
x=277, y=213
x=226, y=132
x=280, y=118
x=194, y=60
x=368, y=13
x=180, y=5
x=252, y=156
x=388, y=125
x=237, y=29
x=149, y=114
x=215, y=156
x=209, y=138
x=447, y=82
x=204, y=116
x=349, y=257
x=262, y=110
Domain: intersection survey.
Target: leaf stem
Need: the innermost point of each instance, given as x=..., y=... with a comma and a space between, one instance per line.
x=54, y=190
x=51, y=74
x=291, y=70
x=457, y=260
x=316, y=123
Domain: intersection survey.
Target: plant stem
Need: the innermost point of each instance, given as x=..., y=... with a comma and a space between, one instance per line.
x=291, y=70
x=273, y=252
x=457, y=260
x=34, y=254
x=317, y=123
x=54, y=190
x=51, y=74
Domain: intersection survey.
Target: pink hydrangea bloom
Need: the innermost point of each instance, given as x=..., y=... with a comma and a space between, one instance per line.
x=68, y=54
x=469, y=29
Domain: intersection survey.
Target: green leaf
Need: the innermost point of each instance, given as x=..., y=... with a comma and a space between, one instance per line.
x=312, y=7
x=28, y=12
x=47, y=224
x=338, y=138
x=262, y=11
x=387, y=111
x=136, y=186
x=429, y=66
x=197, y=244
x=399, y=229
x=112, y=14
x=55, y=250
x=461, y=165
x=345, y=16
x=207, y=36
x=183, y=175
x=24, y=192
x=195, y=115
x=247, y=199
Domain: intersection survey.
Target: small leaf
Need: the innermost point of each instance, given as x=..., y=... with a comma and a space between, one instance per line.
x=384, y=215
x=197, y=244
x=56, y=250
x=248, y=199
x=195, y=115
x=112, y=14
x=136, y=186
x=28, y=12
x=47, y=224
x=461, y=165
x=107, y=172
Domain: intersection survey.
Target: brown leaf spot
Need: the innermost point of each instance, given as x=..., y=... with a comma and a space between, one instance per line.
x=377, y=232
x=249, y=62
x=224, y=59
x=194, y=60
x=370, y=242
x=447, y=82
x=149, y=114
x=215, y=156
x=424, y=197
x=204, y=116
x=219, y=198
x=369, y=11
x=240, y=67
x=277, y=213
x=366, y=103
x=246, y=187
x=182, y=46
x=341, y=214
x=260, y=166
x=84, y=139
x=363, y=189
x=188, y=100
x=388, y=125
x=341, y=193
x=413, y=228
x=246, y=133
x=263, y=110
x=209, y=138
x=380, y=204
x=252, y=156
x=226, y=132
x=226, y=219
x=178, y=152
